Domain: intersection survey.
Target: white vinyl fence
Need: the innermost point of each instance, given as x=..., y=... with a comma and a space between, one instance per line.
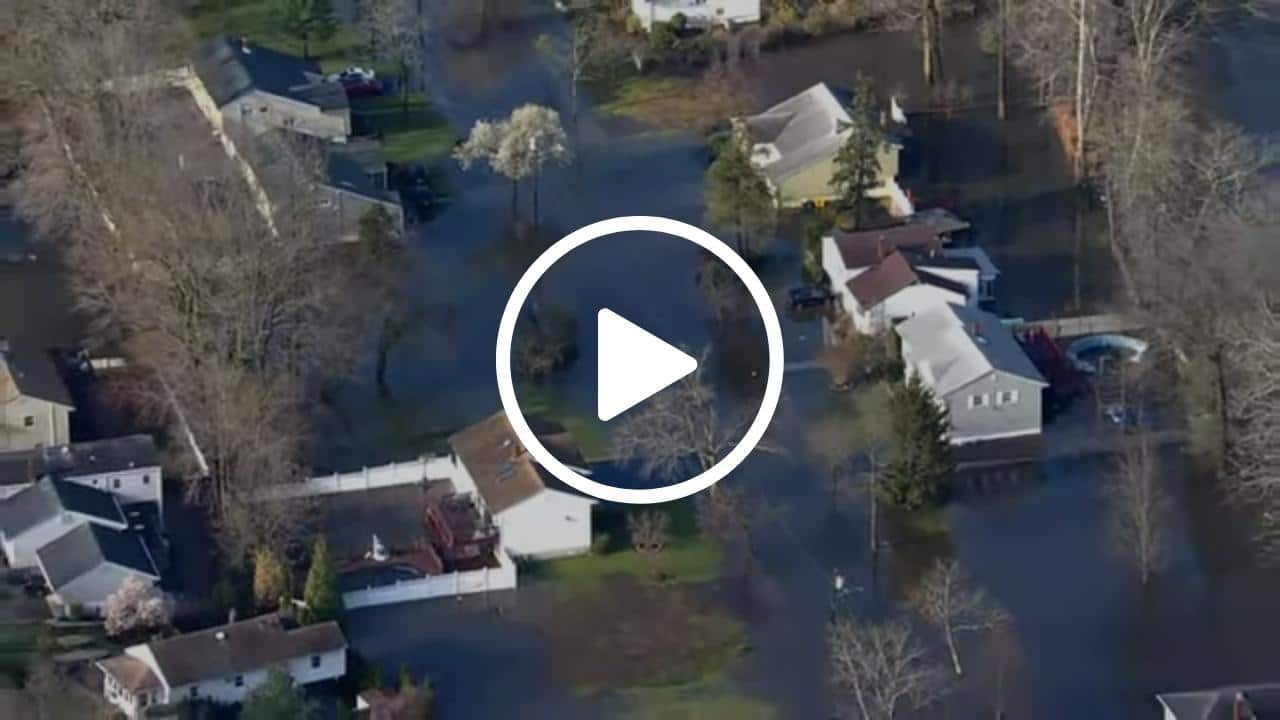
x=439, y=467
x=502, y=577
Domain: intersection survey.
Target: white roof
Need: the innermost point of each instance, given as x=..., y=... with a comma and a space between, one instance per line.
x=803, y=129
x=957, y=345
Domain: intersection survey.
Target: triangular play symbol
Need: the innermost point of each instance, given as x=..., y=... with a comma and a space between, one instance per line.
x=634, y=364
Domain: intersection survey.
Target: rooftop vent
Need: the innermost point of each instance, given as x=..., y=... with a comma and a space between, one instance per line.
x=220, y=636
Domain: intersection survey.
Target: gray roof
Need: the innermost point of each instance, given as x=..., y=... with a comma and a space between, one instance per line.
x=956, y=345
x=96, y=458
x=36, y=376
x=50, y=498
x=347, y=172
x=804, y=129
x=230, y=67
x=235, y=649
x=1262, y=701
x=90, y=546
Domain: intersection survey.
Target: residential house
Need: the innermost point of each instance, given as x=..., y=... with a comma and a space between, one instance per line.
x=537, y=515
x=82, y=568
x=882, y=277
x=222, y=664
x=128, y=467
x=697, y=13
x=47, y=510
x=35, y=405
x=795, y=143
x=266, y=89
x=976, y=369
x=1243, y=702
x=355, y=184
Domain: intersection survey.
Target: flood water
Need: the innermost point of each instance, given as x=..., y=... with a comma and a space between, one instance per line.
x=1094, y=644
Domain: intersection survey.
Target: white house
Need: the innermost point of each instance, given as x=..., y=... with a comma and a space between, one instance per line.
x=86, y=565
x=265, y=89
x=35, y=406
x=882, y=277
x=128, y=467
x=1243, y=702
x=976, y=369
x=222, y=664
x=537, y=515
x=47, y=510
x=794, y=145
x=697, y=13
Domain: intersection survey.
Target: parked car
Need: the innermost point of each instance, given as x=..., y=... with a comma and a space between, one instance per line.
x=808, y=297
x=359, y=82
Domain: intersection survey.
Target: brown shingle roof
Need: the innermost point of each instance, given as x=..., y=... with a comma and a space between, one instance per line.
x=865, y=248
x=130, y=673
x=240, y=647
x=504, y=472
x=882, y=280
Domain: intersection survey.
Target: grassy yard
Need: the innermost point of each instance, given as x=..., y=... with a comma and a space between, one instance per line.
x=591, y=434
x=252, y=19
x=707, y=700
x=418, y=134
x=689, y=558
x=671, y=103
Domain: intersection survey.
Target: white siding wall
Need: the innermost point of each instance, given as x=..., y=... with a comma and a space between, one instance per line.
x=224, y=690
x=50, y=424
x=267, y=111
x=549, y=524
x=132, y=485
x=966, y=277
x=700, y=13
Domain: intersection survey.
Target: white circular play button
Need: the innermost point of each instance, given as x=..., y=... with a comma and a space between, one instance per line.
x=635, y=364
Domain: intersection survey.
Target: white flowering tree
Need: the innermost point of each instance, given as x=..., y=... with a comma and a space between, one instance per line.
x=137, y=605
x=517, y=147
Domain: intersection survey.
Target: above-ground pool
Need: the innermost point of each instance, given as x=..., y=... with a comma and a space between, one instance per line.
x=1088, y=353
x=369, y=576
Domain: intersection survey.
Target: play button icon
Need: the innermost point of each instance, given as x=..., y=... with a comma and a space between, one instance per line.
x=634, y=364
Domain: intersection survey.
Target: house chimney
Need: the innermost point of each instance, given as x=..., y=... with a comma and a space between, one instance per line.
x=880, y=247
x=4, y=345
x=231, y=616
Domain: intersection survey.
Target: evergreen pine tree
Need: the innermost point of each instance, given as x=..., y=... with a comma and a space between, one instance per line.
x=921, y=456
x=857, y=163
x=323, y=602
x=738, y=197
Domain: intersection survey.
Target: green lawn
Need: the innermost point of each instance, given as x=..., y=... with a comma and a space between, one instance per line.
x=690, y=558
x=708, y=700
x=420, y=134
x=252, y=19
x=591, y=434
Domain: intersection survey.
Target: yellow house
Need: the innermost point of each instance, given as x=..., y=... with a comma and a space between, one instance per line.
x=794, y=144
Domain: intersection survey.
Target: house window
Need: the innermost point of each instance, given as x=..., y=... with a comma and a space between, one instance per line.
x=239, y=681
x=28, y=421
x=146, y=479
x=115, y=483
x=1007, y=397
x=144, y=699
x=194, y=692
x=979, y=400
x=315, y=661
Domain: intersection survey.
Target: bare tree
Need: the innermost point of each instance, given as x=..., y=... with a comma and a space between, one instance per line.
x=1140, y=506
x=947, y=599
x=882, y=670
x=926, y=18
x=679, y=430
x=650, y=531
x=590, y=49
x=1253, y=463
x=396, y=31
